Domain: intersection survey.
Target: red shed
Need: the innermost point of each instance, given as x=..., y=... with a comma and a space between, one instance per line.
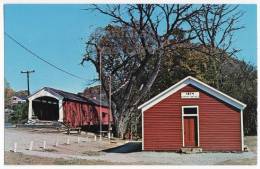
x=192, y=114
x=74, y=110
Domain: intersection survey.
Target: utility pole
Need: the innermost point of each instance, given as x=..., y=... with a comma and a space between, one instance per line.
x=110, y=110
x=28, y=79
x=100, y=109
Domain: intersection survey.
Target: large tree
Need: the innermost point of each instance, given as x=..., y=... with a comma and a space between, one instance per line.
x=132, y=48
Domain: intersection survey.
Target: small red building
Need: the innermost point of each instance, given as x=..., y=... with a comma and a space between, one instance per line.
x=49, y=104
x=192, y=114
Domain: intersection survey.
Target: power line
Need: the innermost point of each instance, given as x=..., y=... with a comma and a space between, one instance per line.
x=38, y=57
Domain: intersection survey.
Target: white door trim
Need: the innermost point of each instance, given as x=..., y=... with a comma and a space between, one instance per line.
x=190, y=115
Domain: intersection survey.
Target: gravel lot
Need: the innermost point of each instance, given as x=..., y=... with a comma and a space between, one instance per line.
x=92, y=150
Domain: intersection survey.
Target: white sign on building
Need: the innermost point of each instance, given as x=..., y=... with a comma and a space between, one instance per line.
x=190, y=95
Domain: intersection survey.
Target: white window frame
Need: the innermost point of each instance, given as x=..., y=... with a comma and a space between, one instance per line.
x=190, y=115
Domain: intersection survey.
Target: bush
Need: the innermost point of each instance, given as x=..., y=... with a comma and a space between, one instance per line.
x=20, y=114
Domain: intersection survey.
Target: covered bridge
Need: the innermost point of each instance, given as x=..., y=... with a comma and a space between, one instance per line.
x=192, y=114
x=74, y=110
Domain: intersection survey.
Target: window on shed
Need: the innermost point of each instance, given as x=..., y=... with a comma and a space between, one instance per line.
x=190, y=110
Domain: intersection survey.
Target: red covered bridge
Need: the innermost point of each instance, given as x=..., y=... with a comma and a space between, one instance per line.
x=74, y=110
x=192, y=114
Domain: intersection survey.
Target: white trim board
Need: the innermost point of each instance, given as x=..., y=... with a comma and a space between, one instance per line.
x=195, y=82
x=44, y=92
x=190, y=115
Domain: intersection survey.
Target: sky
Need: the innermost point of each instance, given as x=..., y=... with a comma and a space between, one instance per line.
x=58, y=34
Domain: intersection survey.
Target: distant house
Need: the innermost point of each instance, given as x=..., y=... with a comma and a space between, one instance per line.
x=18, y=99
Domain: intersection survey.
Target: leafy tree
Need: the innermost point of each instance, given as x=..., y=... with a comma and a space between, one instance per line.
x=235, y=78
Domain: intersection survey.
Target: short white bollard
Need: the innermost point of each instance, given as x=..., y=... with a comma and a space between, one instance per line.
x=57, y=142
x=112, y=135
x=100, y=137
x=44, y=144
x=95, y=138
x=108, y=135
x=78, y=140
x=15, y=147
x=68, y=140
x=31, y=146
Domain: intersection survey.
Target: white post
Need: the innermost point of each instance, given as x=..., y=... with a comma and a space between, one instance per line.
x=15, y=147
x=30, y=111
x=95, y=138
x=87, y=139
x=44, y=144
x=78, y=140
x=31, y=146
x=60, y=111
x=56, y=142
x=100, y=137
x=68, y=140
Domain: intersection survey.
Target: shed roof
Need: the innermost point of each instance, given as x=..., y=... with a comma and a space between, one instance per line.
x=199, y=84
x=71, y=96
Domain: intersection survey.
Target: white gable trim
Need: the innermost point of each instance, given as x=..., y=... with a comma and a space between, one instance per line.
x=44, y=92
x=195, y=82
x=41, y=93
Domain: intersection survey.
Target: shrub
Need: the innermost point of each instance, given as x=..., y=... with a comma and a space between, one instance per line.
x=20, y=114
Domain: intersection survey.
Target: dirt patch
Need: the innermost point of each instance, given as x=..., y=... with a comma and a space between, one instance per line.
x=21, y=159
x=50, y=150
x=251, y=142
x=245, y=161
x=92, y=153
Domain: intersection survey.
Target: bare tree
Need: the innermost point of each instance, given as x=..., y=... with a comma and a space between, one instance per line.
x=133, y=47
x=214, y=26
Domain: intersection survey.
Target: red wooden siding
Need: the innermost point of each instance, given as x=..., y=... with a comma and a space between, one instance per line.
x=105, y=115
x=219, y=123
x=79, y=114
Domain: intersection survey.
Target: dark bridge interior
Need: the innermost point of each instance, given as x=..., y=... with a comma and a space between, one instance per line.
x=46, y=108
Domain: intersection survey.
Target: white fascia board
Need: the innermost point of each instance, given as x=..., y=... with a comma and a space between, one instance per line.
x=214, y=92
x=42, y=93
x=156, y=99
x=162, y=95
x=203, y=86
